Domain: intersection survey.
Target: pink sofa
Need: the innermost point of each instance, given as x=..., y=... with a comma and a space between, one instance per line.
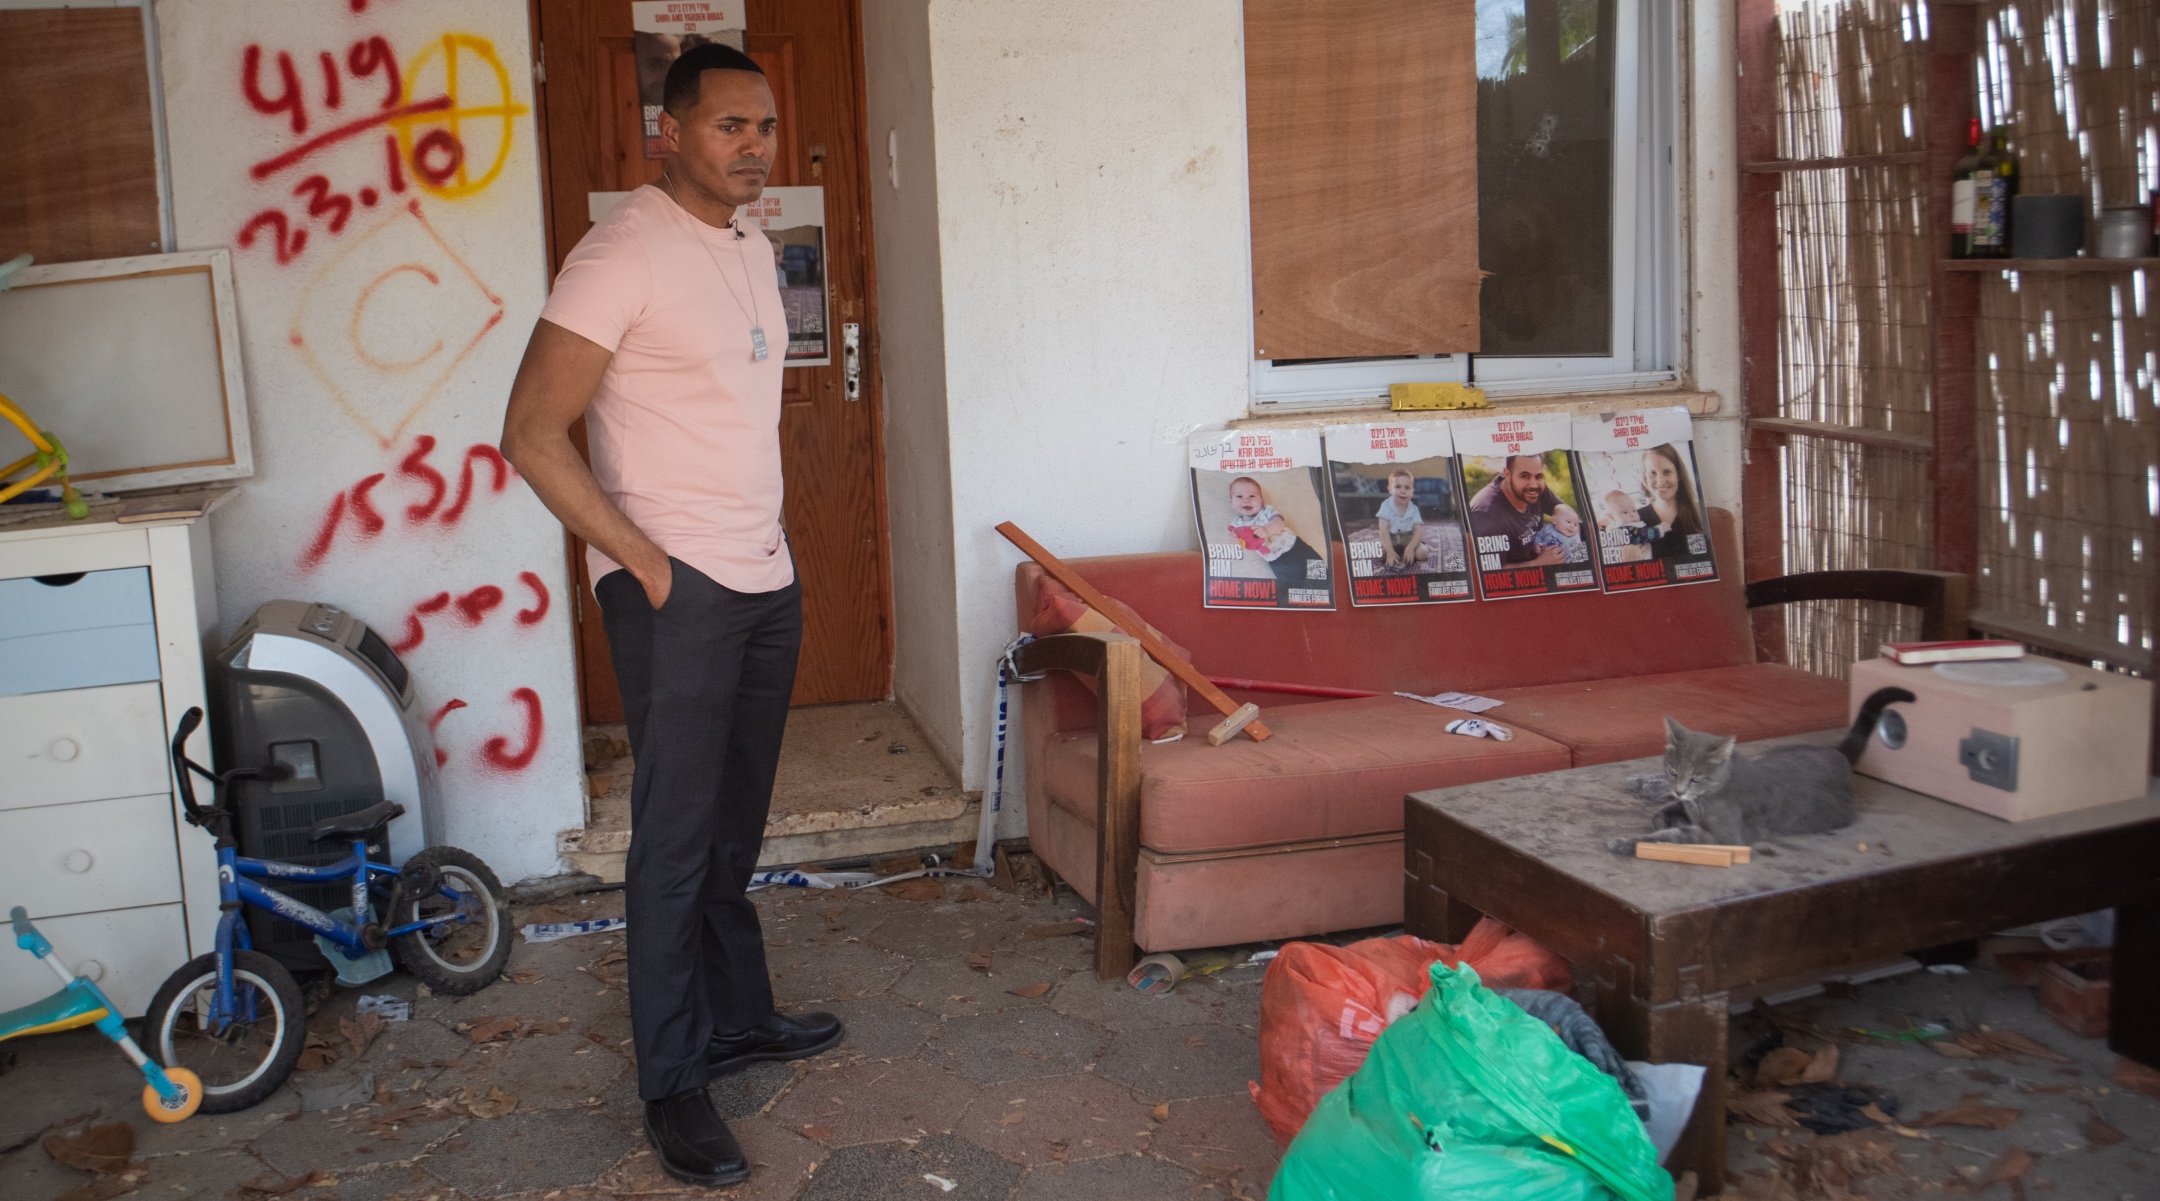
x=1302, y=833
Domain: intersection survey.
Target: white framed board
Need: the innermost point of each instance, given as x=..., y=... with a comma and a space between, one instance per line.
x=134, y=364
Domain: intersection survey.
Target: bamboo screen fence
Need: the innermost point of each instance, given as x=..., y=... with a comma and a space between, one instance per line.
x=2069, y=433
x=1853, y=329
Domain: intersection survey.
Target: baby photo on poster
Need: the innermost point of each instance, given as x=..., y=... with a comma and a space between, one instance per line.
x=1400, y=514
x=1256, y=501
x=1638, y=471
x=1526, y=510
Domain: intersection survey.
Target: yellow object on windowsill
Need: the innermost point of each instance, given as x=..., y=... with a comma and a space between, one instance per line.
x=1403, y=397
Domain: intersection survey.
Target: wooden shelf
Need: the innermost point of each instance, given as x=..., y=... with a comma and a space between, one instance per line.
x=2084, y=264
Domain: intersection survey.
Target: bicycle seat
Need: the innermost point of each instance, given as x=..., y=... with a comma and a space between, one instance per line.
x=358, y=824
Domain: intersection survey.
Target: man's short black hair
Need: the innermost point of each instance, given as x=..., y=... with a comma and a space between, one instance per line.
x=680, y=94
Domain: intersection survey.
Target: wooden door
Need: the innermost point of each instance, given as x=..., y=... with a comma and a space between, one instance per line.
x=832, y=448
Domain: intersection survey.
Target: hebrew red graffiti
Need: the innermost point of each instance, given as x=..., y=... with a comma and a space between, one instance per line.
x=415, y=466
x=532, y=616
x=496, y=751
x=474, y=607
x=493, y=458
x=415, y=633
x=442, y=757
x=478, y=603
x=357, y=505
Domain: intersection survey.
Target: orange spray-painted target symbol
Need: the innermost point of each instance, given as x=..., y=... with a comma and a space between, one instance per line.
x=445, y=147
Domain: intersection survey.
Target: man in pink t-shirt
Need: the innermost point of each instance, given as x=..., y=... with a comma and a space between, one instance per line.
x=665, y=331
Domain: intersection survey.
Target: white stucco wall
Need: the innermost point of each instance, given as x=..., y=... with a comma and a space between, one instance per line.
x=1093, y=230
x=902, y=139
x=379, y=353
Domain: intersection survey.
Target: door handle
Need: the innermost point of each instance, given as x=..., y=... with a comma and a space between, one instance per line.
x=851, y=358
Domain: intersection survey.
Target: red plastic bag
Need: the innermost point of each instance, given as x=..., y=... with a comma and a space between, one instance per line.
x=1322, y=1006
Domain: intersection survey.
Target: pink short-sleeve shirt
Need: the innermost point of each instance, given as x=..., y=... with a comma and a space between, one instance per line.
x=685, y=429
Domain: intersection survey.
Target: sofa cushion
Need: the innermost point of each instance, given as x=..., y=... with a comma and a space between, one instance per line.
x=1331, y=770
x=1604, y=721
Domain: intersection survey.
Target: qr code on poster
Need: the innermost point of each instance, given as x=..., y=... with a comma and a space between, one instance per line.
x=1698, y=544
x=1316, y=569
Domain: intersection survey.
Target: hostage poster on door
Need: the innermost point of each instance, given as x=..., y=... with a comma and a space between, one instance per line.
x=1256, y=500
x=1526, y=510
x=1638, y=472
x=1399, y=511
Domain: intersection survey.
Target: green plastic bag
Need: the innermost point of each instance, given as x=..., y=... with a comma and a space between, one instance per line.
x=1468, y=1098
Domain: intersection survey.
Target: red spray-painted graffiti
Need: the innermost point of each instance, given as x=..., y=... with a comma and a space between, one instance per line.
x=357, y=504
x=474, y=607
x=431, y=134
x=496, y=752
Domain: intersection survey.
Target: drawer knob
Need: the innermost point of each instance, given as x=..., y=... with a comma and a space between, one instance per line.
x=91, y=970
x=78, y=861
x=64, y=749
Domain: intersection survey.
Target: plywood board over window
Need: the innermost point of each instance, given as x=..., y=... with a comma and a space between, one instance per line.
x=1361, y=124
x=78, y=157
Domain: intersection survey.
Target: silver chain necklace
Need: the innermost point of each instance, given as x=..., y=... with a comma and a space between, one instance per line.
x=758, y=350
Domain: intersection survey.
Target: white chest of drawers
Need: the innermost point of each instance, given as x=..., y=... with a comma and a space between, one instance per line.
x=104, y=630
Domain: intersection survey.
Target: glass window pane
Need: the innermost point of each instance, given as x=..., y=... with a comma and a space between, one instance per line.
x=1545, y=196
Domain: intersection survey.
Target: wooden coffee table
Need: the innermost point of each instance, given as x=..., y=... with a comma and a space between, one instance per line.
x=1662, y=949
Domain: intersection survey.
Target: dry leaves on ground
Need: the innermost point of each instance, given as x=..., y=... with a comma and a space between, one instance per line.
x=979, y=958
x=107, y=1186
x=523, y=976
x=1762, y=1108
x=921, y=888
x=1160, y=1113
x=1830, y=1166
x=1056, y=929
x=495, y=1029
x=103, y=1148
x=361, y=1032
x=2012, y=1164
x=820, y=1133
x=316, y=1053
x=266, y=1186
x=1029, y=992
x=1984, y=1042
x=1985, y=1117
x=1791, y=1065
x=494, y=1104
x=2136, y=1077
x=2099, y=1132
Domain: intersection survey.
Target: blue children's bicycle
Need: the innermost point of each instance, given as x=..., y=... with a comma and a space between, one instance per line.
x=171, y=1094
x=234, y=1017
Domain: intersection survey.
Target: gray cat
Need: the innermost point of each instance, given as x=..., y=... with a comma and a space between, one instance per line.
x=1709, y=794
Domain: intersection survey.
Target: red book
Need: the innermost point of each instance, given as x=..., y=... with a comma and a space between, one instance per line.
x=1952, y=652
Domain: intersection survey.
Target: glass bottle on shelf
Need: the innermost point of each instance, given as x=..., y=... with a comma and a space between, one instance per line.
x=1961, y=195
x=1994, y=183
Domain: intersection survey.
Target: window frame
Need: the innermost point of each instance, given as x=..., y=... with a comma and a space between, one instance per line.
x=1646, y=311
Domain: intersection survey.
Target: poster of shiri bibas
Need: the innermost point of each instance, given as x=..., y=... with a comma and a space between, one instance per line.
x=1256, y=501
x=1400, y=512
x=1638, y=473
x=794, y=222
x=1526, y=512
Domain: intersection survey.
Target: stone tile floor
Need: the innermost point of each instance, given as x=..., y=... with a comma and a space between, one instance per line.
x=948, y=1071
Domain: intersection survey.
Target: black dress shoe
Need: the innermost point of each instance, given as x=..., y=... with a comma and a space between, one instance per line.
x=777, y=1037
x=693, y=1144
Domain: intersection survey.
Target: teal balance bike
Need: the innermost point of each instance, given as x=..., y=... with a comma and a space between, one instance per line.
x=171, y=1094
x=235, y=1017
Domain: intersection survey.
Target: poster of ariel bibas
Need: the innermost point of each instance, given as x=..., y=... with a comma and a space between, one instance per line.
x=1526, y=510
x=1399, y=511
x=1256, y=501
x=1638, y=472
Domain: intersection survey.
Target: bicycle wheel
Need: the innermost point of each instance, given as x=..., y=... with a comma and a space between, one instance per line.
x=247, y=1060
x=456, y=958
